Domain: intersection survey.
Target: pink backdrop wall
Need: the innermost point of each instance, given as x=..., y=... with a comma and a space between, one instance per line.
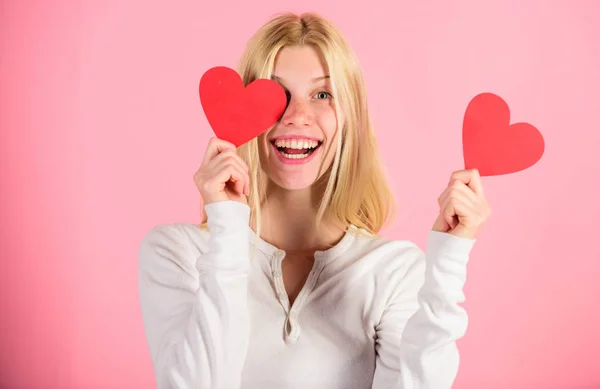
x=101, y=131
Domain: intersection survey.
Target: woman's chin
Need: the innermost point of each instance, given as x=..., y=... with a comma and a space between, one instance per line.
x=290, y=184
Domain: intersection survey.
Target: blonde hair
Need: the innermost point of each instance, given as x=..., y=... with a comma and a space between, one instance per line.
x=356, y=191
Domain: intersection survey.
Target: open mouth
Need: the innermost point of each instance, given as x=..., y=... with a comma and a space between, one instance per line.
x=296, y=149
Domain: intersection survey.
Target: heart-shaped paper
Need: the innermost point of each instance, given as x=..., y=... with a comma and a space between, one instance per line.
x=494, y=146
x=236, y=113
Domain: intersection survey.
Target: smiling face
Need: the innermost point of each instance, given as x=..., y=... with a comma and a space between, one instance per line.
x=301, y=146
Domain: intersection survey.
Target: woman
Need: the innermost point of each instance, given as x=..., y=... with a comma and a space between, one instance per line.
x=311, y=297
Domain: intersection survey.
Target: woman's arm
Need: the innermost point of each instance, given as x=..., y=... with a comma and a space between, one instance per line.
x=416, y=336
x=194, y=309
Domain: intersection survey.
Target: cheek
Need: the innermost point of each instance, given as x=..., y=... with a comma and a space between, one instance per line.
x=328, y=122
x=332, y=127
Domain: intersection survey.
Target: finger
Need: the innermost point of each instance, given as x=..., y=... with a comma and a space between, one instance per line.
x=457, y=190
x=463, y=197
x=445, y=210
x=228, y=155
x=449, y=216
x=238, y=163
x=215, y=147
x=450, y=219
x=469, y=177
x=238, y=186
x=231, y=154
x=229, y=173
x=456, y=196
x=459, y=210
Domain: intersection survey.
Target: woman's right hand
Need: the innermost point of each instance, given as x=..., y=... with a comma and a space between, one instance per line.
x=223, y=175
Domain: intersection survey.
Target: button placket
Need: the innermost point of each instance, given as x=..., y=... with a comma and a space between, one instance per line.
x=278, y=279
x=292, y=324
x=311, y=282
x=292, y=319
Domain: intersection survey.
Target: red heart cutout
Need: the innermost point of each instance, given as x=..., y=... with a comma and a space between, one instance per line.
x=494, y=146
x=236, y=113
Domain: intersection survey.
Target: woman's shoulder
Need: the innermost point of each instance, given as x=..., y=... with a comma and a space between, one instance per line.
x=179, y=243
x=382, y=244
x=176, y=234
x=385, y=252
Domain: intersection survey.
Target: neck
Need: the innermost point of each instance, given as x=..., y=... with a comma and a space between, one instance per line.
x=288, y=221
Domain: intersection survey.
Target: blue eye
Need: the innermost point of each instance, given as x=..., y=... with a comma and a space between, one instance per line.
x=323, y=95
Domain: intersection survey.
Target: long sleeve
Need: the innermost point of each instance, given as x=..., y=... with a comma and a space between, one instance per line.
x=194, y=307
x=417, y=334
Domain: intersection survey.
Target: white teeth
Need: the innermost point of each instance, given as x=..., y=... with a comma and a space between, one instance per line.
x=295, y=156
x=297, y=143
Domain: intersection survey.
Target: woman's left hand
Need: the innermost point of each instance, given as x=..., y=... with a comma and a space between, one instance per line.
x=463, y=206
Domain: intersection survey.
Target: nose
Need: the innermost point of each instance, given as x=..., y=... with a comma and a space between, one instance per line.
x=298, y=113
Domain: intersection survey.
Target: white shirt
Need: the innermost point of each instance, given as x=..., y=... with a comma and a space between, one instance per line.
x=374, y=313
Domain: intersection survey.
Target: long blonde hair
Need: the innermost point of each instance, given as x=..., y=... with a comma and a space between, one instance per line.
x=356, y=191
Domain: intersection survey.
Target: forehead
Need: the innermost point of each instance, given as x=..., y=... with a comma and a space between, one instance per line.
x=299, y=62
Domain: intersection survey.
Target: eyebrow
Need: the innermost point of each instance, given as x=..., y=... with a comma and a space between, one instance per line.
x=317, y=79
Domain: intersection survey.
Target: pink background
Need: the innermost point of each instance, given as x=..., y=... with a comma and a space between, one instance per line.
x=102, y=130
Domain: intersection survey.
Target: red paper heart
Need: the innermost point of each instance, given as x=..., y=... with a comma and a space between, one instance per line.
x=494, y=146
x=237, y=114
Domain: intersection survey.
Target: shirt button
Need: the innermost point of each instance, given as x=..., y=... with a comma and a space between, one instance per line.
x=279, y=253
